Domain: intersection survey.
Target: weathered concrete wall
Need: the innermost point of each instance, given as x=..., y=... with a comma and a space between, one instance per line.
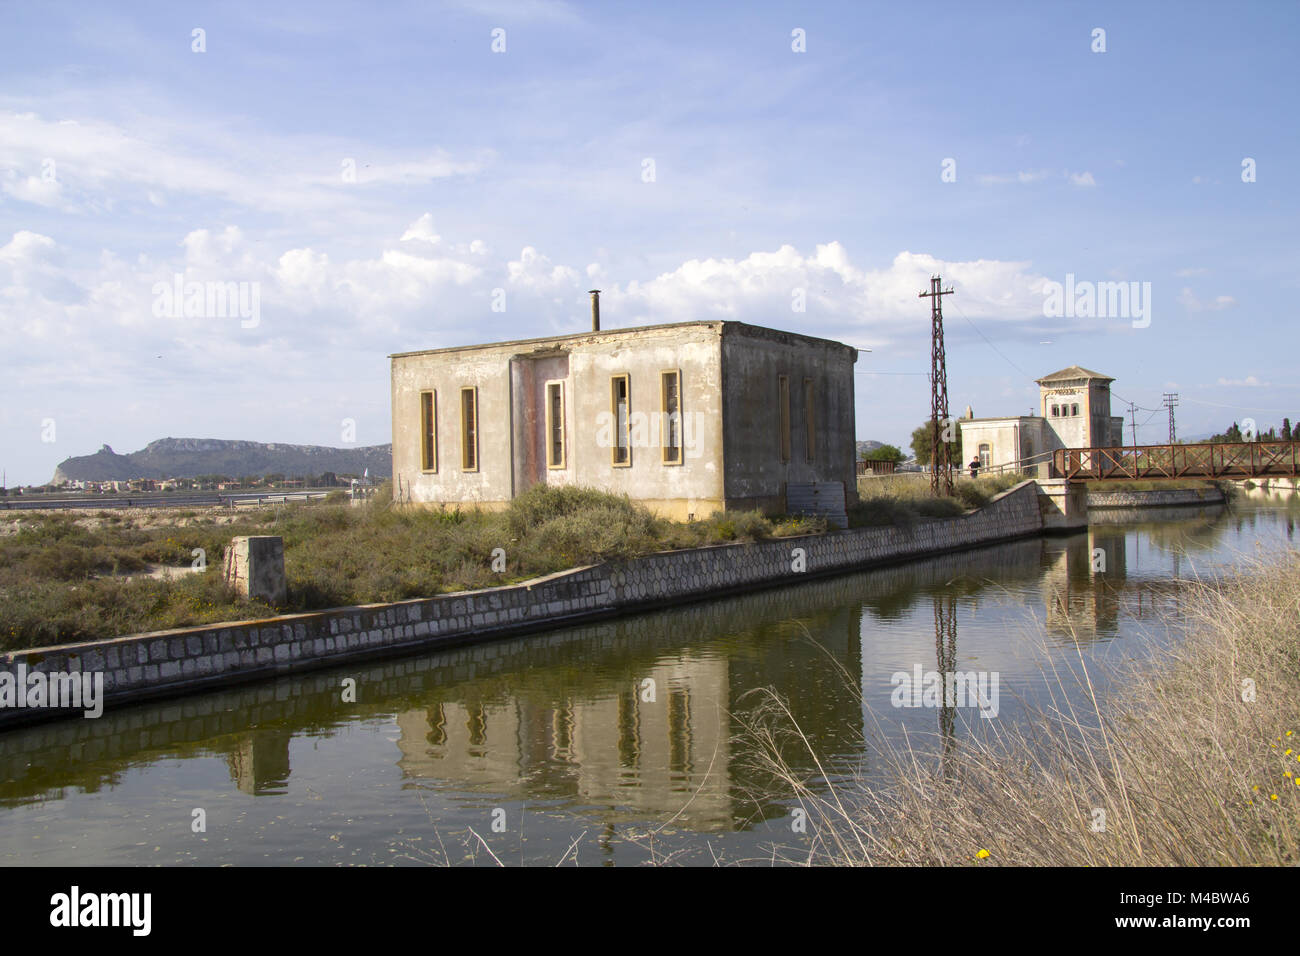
x=752, y=360
x=1064, y=504
x=728, y=373
x=511, y=378
x=446, y=373
x=254, y=566
x=693, y=487
x=175, y=662
x=1155, y=498
x=528, y=378
x=1009, y=439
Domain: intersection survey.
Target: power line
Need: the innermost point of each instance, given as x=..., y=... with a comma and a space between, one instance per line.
x=1242, y=408
x=989, y=343
x=1142, y=408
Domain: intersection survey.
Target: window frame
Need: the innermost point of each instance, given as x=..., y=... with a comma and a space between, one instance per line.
x=810, y=422
x=671, y=454
x=563, y=463
x=783, y=414
x=625, y=431
x=429, y=431
x=469, y=430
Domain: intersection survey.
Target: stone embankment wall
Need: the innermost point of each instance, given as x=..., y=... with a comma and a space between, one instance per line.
x=1155, y=499
x=178, y=661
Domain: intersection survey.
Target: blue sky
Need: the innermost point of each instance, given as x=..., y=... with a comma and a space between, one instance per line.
x=127, y=158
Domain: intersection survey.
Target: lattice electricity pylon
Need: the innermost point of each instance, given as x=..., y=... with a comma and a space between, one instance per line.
x=1171, y=402
x=940, y=454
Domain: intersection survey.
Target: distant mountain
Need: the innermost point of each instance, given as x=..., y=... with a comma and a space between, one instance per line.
x=191, y=457
x=866, y=446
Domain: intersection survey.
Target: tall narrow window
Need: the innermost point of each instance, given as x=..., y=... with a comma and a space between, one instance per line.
x=554, y=424
x=469, y=429
x=621, y=453
x=429, y=431
x=1074, y=410
x=810, y=418
x=985, y=454
x=671, y=388
x=783, y=410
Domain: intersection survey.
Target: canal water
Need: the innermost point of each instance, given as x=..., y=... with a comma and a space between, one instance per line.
x=617, y=743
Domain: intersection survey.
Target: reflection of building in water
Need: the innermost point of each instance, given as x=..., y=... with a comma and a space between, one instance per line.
x=1082, y=584
x=259, y=764
x=622, y=750
x=1269, y=489
x=600, y=742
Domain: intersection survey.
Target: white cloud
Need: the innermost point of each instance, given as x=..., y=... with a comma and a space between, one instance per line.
x=312, y=302
x=422, y=170
x=25, y=247
x=536, y=272
x=422, y=230
x=33, y=189
x=99, y=165
x=1250, y=381
x=1081, y=179
x=1188, y=299
x=1021, y=176
x=841, y=298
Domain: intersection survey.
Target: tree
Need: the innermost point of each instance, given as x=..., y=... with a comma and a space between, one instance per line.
x=1286, y=430
x=1233, y=434
x=884, y=453
x=923, y=444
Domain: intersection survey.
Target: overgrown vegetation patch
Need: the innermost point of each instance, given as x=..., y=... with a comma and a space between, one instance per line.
x=66, y=577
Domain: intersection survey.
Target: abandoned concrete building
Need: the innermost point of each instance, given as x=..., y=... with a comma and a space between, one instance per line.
x=688, y=418
x=1074, y=412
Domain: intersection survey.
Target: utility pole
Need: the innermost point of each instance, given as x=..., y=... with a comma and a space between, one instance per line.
x=1132, y=415
x=940, y=457
x=1171, y=399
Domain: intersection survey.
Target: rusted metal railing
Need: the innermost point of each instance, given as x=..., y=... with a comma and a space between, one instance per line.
x=1256, y=459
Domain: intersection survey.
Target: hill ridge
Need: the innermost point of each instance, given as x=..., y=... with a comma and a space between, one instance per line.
x=191, y=457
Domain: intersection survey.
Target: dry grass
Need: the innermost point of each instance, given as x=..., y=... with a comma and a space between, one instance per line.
x=1187, y=772
x=903, y=499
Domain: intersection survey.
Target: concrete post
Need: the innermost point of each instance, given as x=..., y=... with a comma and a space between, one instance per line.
x=1063, y=504
x=255, y=566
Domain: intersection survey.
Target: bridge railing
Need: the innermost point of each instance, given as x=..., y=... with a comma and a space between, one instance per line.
x=1209, y=460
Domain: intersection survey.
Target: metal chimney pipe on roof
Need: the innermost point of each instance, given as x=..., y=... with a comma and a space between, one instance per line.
x=595, y=310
